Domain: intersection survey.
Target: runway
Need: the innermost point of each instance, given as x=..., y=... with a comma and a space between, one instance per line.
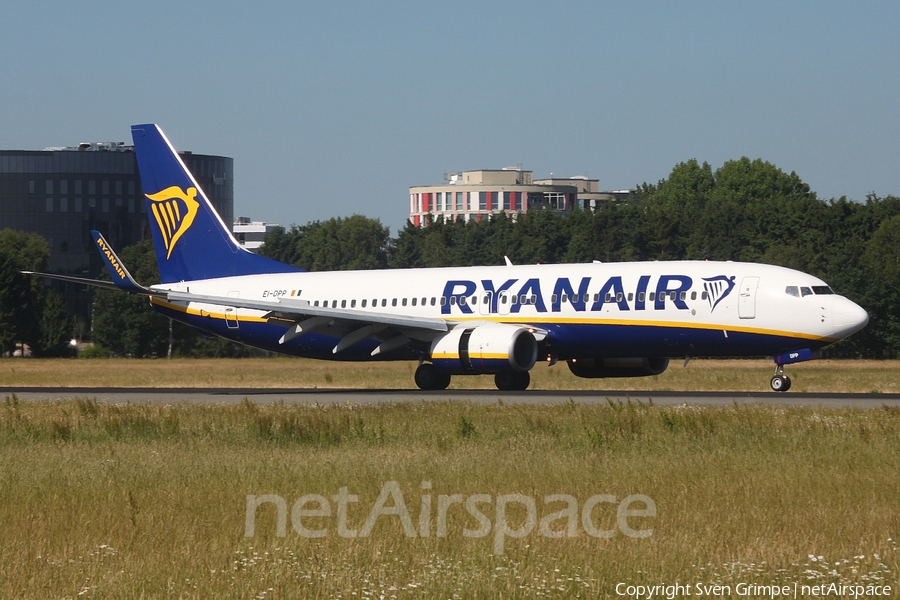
x=355, y=396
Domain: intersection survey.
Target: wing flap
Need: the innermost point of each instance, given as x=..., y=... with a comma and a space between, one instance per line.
x=293, y=309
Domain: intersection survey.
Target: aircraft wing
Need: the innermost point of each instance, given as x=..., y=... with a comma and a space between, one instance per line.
x=353, y=326
x=109, y=285
x=288, y=308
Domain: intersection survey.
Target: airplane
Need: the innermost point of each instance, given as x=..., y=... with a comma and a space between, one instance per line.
x=603, y=319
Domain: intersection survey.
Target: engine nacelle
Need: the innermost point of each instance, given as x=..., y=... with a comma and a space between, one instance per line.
x=493, y=348
x=594, y=368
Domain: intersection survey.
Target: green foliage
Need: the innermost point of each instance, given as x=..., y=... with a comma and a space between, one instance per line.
x=55, y=328
x=336, y=244
x=23, y=299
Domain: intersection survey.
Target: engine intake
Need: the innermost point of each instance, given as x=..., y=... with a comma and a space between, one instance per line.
x=494, y=348
x=594, y=368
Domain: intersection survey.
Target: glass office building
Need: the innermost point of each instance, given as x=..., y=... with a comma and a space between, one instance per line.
x=64, y=193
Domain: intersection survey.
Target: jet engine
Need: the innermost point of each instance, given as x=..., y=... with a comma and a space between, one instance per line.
x=491, y=348
x=594, y=368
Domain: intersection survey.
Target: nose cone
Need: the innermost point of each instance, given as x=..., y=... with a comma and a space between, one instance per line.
x=847, y=316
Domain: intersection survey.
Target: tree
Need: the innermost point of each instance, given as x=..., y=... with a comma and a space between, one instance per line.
x=55, y=329
x=21, y=296
x=356, y=242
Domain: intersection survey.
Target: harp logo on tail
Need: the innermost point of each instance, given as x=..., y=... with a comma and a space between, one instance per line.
x=717, y=289
x=174, y=210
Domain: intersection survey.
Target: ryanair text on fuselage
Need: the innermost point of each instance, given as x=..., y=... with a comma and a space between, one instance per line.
x=673, y=288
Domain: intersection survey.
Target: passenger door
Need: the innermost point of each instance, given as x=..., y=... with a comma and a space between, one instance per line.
x=747, y=298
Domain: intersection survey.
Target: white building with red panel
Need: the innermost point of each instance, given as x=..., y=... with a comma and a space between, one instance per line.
x=476, y=195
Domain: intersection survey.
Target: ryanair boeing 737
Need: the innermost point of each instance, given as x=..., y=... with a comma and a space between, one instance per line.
x=604, y=320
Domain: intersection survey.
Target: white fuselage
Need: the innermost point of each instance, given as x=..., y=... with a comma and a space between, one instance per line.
x=697, y=308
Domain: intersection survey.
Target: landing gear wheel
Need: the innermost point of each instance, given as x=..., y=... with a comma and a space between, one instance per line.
x=428, y=378
x=781, y=383
x=510, y=382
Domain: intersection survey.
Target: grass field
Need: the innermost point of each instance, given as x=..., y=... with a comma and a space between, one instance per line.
x=712, y=375
x=154, y=501
x=150, y=501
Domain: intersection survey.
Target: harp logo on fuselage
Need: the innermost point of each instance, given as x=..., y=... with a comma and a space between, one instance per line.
x=174, y=210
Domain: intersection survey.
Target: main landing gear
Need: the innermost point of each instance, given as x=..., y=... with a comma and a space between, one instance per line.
x=780, y=382
x=512, y=381
x=429, y=378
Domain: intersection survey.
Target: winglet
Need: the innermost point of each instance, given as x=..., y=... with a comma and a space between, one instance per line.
x=117, y=271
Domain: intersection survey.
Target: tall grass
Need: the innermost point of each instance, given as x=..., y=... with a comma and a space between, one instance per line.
x=147, y=500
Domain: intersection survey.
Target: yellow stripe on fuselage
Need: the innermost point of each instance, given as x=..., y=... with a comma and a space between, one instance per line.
x=545, y=320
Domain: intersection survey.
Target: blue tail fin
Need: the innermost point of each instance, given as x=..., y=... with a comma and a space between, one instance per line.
x=189, y=237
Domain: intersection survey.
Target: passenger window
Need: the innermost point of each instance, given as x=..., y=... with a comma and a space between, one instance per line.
x=565, y=298
x=693, y=295
x=630, y=296
x=404, y=302
x=462, y=300
x=641, y=297
x=683, y=295
x=533, y=300
x=554, y=298
x=619, y=296
x=452, y=300
x=364, y=303
x=672, y=296
x=384, y=301
x=652, y=296
x=792, y=290
x=424, y=301
x=316, y=303
x=353, y=303
x=433, y=300
x=413, y=302
x=805, y=291
x=343, y=304
x=704, y=296
x=394, y=302
x=597, y=297
x=608, y=297
x=334, y=304
x=503, y=298
x=443, y=300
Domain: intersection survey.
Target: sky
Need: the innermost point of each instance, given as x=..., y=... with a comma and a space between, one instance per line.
x=336, y=108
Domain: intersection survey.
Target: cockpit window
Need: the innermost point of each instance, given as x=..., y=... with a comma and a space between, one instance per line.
x=818, y=290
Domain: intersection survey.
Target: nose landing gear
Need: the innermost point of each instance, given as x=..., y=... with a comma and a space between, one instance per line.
x=780, y=382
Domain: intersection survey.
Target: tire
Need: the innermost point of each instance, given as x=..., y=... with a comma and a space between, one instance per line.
x=511, y=382
x=426, y=376
x=779, y=383
x=787, y=384
x=441, y=380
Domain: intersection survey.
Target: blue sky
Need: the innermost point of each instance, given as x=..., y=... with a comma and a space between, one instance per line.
x=335, y=108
